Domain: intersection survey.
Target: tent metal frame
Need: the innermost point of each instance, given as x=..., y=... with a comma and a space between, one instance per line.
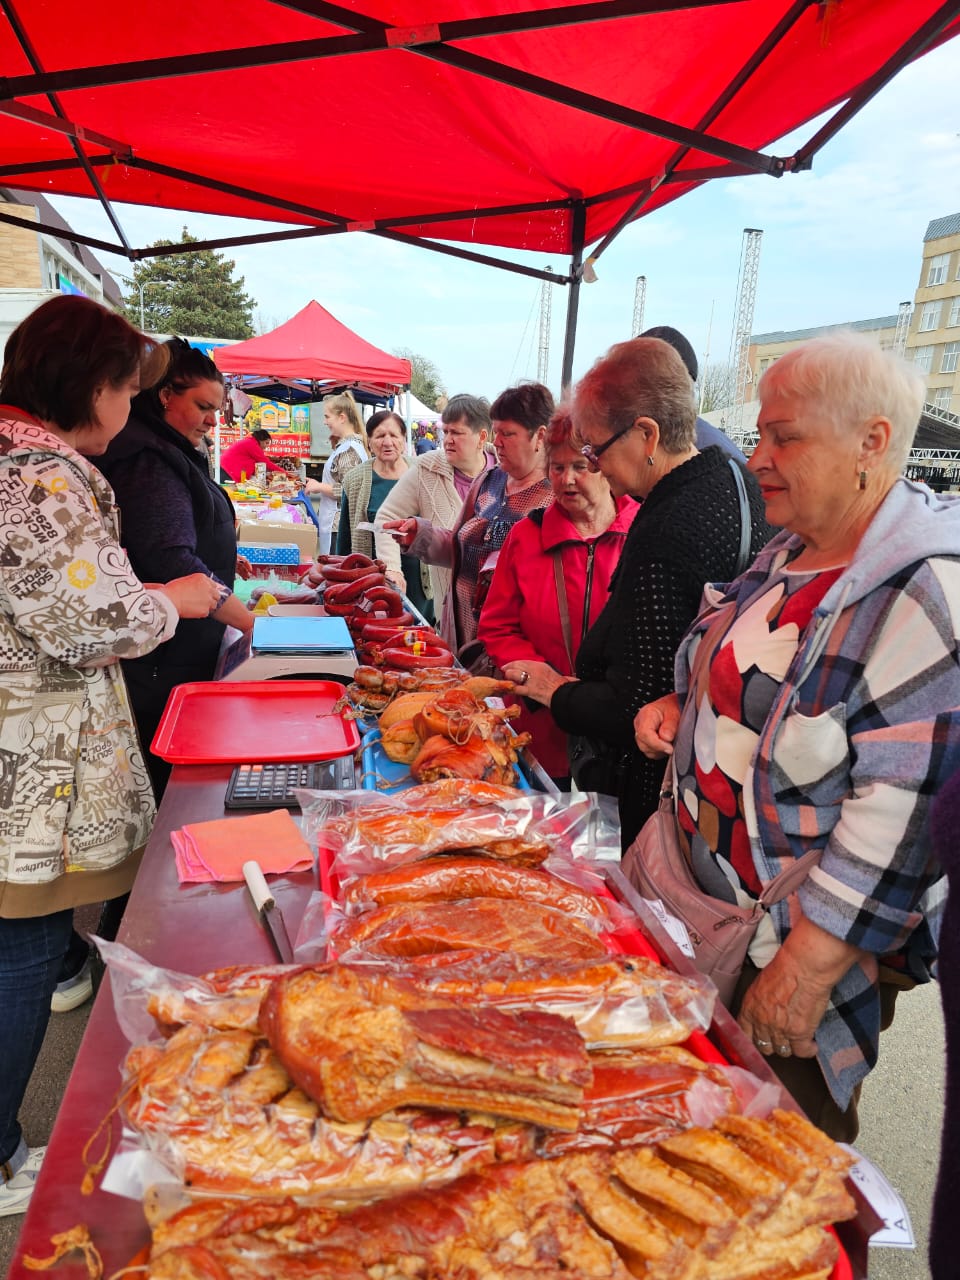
x=433, y=41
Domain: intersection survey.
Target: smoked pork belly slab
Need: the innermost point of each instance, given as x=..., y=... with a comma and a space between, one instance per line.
x=615, y=1001
x=362, y=1044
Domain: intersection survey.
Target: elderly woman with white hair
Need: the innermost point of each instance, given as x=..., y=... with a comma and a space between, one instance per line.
x=818, y=709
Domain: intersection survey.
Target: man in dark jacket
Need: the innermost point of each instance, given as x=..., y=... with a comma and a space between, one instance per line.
x=707, y=434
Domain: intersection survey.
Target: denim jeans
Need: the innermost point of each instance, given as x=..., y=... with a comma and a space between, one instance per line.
x=31, y=953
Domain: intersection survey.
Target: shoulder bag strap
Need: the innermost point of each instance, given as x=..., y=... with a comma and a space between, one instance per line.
x=746, y=524
x=791, y=878
x=563, y=603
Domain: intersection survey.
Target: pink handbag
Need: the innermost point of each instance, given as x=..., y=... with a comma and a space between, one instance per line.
x=720, y=932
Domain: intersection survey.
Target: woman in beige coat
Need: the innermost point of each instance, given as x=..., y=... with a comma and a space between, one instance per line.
x=436, y=484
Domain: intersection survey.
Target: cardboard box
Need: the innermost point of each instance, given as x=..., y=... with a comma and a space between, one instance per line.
x=258, y=531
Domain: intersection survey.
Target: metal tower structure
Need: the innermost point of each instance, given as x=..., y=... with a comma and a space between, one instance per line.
x=743, y=321
x=903, y=327
x=639, y=302
x=543, y=349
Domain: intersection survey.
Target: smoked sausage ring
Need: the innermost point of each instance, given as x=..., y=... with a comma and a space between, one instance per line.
x=417, y=658
x=339, y=574
x=344, y=591
x=390, y=599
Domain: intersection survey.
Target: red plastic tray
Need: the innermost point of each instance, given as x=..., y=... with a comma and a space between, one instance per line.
x=254, y=721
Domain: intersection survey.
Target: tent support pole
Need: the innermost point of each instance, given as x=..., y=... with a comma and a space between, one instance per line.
x=578, y=235
x=469, y=256
x=31, y=54
x=759, y=56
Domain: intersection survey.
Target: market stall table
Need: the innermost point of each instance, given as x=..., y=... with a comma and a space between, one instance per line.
x=194, y=929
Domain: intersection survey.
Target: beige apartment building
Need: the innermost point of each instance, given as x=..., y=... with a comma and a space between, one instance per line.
x=38, y=264
x=933, y=342
x=932, y=338
x=765, y=348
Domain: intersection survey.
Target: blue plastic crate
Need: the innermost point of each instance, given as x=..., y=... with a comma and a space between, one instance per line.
x=379, y=773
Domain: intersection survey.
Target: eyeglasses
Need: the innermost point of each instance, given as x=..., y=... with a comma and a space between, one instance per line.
x=594, y=454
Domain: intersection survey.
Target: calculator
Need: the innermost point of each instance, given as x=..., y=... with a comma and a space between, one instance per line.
x=272, y=786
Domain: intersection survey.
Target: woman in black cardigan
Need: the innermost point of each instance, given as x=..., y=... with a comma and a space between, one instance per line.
x=636, y=415
x=174, y=519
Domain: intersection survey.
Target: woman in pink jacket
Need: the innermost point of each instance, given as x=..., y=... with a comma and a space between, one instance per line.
x=552, y=579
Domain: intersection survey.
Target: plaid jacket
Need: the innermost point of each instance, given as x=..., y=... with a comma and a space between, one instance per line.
x=863, y=731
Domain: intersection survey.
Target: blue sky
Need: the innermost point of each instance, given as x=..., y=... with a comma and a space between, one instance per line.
x=843, y=242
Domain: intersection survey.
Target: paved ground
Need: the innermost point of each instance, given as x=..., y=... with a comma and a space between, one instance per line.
x=46, y=1089
x=901, y=1114
x=901, y=1118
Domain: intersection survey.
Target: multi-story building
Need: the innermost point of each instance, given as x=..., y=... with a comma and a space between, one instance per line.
x=933, y=342
x=765, y=348
x=35, y=265
x=932, y=339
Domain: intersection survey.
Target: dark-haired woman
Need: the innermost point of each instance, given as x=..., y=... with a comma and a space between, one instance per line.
x=174, y=517
x=74, y=791
x=496, y=501
x=366, y=487
x=244, y=455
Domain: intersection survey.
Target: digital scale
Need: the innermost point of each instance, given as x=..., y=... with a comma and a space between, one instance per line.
x=284, y=648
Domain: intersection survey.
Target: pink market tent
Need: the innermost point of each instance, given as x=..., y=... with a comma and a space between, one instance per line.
x=315, y=347
x=448, y=124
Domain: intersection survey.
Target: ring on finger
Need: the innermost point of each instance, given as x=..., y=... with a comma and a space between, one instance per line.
x=763, y=1045
x=783, y=1050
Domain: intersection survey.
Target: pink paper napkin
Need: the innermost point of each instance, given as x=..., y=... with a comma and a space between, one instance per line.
x=217, y=850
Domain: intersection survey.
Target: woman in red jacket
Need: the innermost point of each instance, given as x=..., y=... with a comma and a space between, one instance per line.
x=552, y=579
x=242, y=457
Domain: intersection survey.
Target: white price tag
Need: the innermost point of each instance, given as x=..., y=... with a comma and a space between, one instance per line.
x=676, y=928
x=885, y=1200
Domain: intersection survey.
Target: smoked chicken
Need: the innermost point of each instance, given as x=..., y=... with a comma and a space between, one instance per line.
x=487, y=759
x=456, y=714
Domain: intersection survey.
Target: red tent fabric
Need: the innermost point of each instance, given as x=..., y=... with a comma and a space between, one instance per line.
x=537, y=124
x=314, y=345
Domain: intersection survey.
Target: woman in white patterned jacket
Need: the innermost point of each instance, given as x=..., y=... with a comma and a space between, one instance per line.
x=76, y=805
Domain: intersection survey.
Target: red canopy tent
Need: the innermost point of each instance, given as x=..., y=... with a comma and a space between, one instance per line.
x=316, y=347
x=523, y=123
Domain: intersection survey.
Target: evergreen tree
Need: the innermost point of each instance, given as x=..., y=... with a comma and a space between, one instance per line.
x=192, y=293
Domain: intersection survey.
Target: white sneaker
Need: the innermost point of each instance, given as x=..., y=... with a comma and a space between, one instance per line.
x=15, y=1192
x=74, y=991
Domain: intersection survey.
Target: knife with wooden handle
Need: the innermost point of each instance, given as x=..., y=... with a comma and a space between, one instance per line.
x=270, y=914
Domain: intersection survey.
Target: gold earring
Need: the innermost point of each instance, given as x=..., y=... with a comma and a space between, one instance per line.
x=863, y=481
